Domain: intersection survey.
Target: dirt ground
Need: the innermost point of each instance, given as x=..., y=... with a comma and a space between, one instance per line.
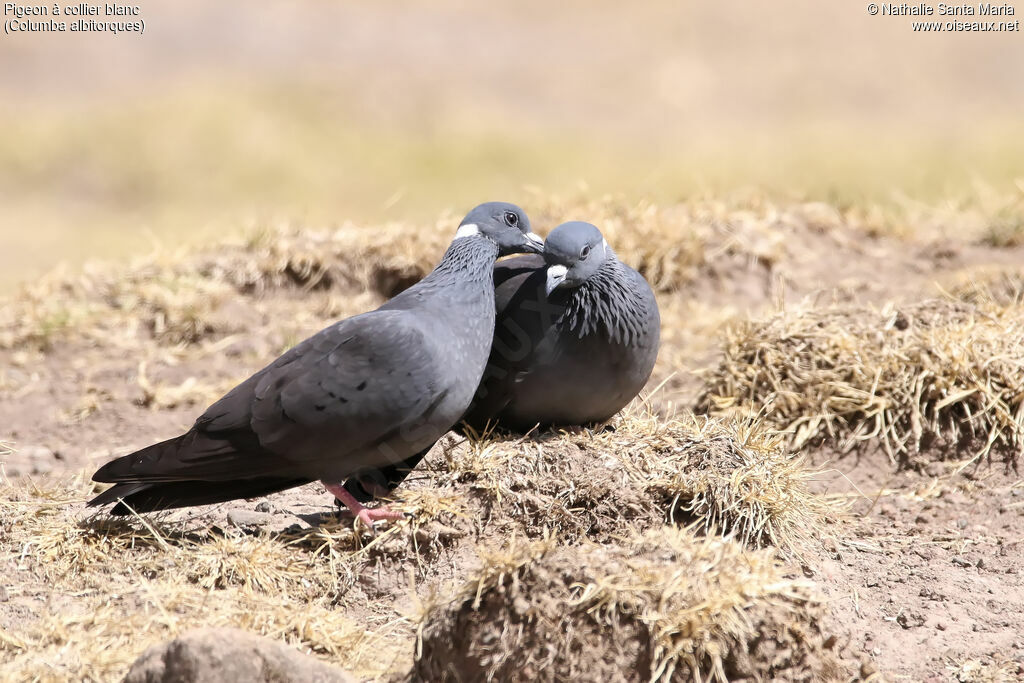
x=919, y=568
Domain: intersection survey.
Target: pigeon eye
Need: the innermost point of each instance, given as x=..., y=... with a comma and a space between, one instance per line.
x=584, y=252
x=511, y=220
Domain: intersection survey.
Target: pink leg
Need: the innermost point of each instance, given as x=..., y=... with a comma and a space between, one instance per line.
x=364, y=514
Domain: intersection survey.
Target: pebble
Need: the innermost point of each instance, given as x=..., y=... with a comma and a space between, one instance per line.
x=243, y=518
x=910, y=619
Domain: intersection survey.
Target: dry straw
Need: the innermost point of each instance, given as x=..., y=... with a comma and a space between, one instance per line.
x=172, y=297
x=733, y=477
x=132, y=582
x=665, y=606
x=111, y=588
x=988, y=285
x=932, y=379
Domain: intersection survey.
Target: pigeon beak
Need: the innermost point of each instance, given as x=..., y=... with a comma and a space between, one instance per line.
x=556, y=276
x=534, y=242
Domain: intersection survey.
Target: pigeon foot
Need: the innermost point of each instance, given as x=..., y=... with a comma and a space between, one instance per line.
x=368, y=516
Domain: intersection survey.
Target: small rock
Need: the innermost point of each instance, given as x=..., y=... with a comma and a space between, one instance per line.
x=225, y=655
x=961, y=562
x=446, y=534
x=961, y=523
x=247, y=518
x=925, y=553
x=980, y=564
x=265, y=506
x=4, y=595
x=910, y=619
x=941, y=625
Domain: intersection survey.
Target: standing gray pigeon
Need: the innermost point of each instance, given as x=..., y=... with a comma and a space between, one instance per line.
x=366, y=393
x=576, y=335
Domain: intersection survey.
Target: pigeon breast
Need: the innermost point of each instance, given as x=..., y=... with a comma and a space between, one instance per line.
x=576, y=357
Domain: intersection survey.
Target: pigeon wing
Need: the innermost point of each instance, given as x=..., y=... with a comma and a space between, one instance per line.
x=339, y=391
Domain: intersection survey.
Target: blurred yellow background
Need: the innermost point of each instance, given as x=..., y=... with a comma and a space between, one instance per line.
x=230, y=114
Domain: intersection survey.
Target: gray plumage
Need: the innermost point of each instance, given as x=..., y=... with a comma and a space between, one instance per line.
x=365, y=394
x=576, y=335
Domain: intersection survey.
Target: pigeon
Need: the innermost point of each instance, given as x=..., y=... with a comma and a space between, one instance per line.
x=575, y=340
x=364, y=395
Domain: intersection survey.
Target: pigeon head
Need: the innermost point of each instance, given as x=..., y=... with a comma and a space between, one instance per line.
x=504, y=224
x=574, y=252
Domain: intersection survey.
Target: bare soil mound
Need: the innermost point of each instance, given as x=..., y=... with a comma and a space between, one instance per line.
x=733, y=477
x=667, y=606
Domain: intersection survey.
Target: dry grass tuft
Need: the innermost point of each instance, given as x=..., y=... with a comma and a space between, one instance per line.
x=152, y=546
x=157, y=297
x=665, y=606
x=172, y=298
x=732, y=477
x=137, y=581
x=939, y=375
x=1005, y=228
x=102, y=633
x=735, y=477
x=989, y=285
x=567, y=484
x=383, y=259
x=987, y=670
x=675, y=245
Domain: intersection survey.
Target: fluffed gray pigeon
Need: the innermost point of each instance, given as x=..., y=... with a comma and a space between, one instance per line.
x=365, y=394
x=576, y=335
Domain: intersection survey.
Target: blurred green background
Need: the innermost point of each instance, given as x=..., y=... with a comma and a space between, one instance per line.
x=230, y=114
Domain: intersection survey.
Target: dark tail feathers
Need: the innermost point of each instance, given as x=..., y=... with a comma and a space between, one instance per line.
x=149, y=497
